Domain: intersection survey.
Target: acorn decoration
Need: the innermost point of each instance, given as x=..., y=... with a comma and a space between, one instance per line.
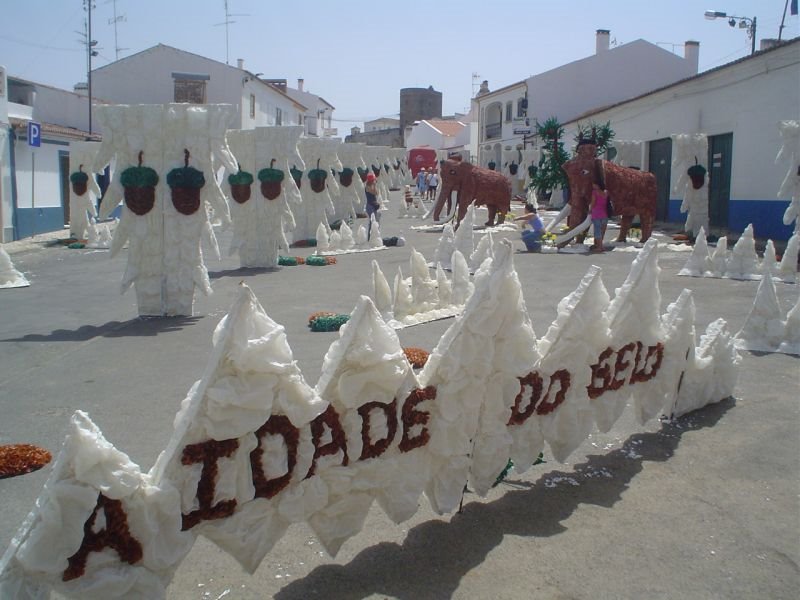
x=139, y=185
x=316, y=178
x=185, y=183
x=376, y=171
x=362, y=173
x=271, y=179
x=240, y=183
x=79, y=181
x=346, y=176
x=297, y=175
x=491, y=165
x=512, y=168
x=697, y=174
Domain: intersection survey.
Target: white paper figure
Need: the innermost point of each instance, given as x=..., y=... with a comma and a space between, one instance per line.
x=83, y=189
x=690, y=152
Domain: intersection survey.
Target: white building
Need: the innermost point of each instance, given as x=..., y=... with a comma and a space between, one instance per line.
x=608, y=76
x=439, y=134
x=317, y=119
x=34, y=181
x=738, y=106
x=381, y=124
x=163, y=74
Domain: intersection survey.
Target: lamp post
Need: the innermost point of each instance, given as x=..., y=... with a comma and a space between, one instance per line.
x=744, y=23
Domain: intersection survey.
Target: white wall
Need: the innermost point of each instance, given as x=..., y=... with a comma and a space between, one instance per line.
x=602, y=79
x=146, y=78
x=424, y=135
x=44, y=191
x=61, y=107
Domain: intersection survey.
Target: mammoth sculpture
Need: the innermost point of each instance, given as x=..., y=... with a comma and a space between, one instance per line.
x=632, y=192
x=473, y=183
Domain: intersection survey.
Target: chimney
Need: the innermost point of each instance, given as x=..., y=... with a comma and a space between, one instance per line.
x=300, y=82
x=691, y=54
x=240, y=63
x=767, y=43
x=603, y=39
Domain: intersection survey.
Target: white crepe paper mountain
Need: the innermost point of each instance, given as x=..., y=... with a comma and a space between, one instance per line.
x=343, y=241
x=742, y=262
x=9, y=276
x=256, y=449
x=421, y=298
x=766, y=328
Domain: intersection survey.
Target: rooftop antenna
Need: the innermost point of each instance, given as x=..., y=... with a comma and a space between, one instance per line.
x=114, y=21
x=227, y=22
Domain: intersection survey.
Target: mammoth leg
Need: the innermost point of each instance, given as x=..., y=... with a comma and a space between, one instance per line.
x=624, y=226
x=492, y=213
x=647, y=226
x=444, y=194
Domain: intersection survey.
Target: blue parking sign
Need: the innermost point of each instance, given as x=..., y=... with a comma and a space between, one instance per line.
x=34, y=134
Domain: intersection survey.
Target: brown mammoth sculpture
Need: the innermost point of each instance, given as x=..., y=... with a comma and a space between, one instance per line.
x=470, y=183
x=632, y=192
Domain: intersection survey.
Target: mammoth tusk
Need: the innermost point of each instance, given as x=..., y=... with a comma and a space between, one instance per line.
x=559, y=217
x=563, y=239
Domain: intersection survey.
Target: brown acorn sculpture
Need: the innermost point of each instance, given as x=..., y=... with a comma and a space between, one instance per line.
x=139, y=186
x=316, y=177
x=240, y=183
x=185, y=183
x=271, y=179
x=80, y=181
x=297, y=175
x=697, y=174
x=346, y=177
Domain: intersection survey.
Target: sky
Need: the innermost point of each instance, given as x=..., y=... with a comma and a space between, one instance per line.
x=357, y=54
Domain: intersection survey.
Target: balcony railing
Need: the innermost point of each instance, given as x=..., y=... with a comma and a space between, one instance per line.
x=493, y=131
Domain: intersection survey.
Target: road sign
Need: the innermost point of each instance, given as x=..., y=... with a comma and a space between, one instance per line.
x=34, y=134
x=522, y=130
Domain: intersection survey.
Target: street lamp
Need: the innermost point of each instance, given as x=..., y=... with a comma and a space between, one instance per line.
x=744, y=23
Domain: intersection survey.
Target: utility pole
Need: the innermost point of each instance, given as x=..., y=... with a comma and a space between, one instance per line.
x=88, y=5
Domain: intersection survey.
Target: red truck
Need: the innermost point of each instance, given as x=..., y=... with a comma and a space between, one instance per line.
x=421, y=157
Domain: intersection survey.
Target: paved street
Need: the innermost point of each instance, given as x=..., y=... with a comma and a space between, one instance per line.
x=708, y=507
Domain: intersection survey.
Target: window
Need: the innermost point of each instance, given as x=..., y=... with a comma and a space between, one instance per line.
x=509, y=106
x=522, y=107
x=252, y=106
x=278, y=116
x=190, y=87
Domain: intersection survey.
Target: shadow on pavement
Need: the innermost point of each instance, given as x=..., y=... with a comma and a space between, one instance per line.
x=242, y=272
x=436, y=555
x=141, y=326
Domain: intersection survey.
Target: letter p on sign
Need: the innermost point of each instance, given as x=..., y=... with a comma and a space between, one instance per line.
x=34, y=134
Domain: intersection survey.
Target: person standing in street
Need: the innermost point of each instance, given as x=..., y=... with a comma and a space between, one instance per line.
x=373, y=206
x=433, y=183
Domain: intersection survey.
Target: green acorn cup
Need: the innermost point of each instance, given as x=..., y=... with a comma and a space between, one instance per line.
x=362, y=173
x=316, y=178
x=346, y=176
x=513, y=168
x=80, y=181
x=271, y=179
x=240, y=183
x=297, y=175
x=697, y=173
x=492, y=165
x=139, y=186
x=185, y=183
x=376, y=170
